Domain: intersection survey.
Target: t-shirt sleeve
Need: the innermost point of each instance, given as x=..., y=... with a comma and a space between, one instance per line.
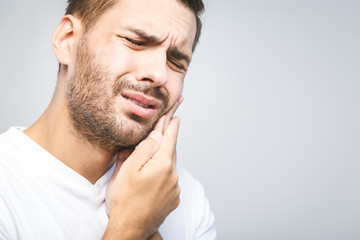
x=205, y=224
x=3, y=233
x=198, y=213
x=7, y=229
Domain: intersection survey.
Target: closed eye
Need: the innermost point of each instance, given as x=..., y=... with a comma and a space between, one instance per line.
x=176, y=64
x=134, y=42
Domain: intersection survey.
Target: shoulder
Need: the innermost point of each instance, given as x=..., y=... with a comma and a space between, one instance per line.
x=9, y=155
x=190, y=186
x=8, y=186
x=9, y=143
x=186, y=178
x=6, y=156
x=13, y=175
x=4, y=142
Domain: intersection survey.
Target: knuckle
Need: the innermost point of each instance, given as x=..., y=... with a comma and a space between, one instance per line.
x=175, y=178
x=167, y=167
x=177, y=203
x=178, y=191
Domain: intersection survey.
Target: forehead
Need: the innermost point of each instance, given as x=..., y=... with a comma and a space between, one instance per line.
x=167, y=19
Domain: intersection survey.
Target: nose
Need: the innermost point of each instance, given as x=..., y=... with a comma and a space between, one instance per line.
x=152, y=67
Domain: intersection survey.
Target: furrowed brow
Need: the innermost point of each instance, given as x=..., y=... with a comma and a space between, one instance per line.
x=145, y=36
x=175, y=53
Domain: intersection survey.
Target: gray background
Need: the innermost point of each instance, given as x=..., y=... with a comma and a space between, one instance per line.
x=270, y=122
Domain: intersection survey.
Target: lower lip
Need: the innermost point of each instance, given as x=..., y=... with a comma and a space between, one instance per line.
x=139, y=110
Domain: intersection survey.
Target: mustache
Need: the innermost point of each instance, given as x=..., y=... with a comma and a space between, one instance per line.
x=124, y=83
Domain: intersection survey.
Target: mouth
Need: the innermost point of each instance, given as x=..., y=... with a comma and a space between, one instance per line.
x=140, y=104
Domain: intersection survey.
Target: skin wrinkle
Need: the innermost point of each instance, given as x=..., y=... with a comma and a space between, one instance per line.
x=92, y=110
x=147, y=39
x=180, y=25
x=145, y=36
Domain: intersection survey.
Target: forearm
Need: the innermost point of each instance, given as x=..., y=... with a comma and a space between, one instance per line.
x=124, y=225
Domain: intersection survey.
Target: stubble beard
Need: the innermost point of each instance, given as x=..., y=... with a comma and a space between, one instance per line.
x=91, y=94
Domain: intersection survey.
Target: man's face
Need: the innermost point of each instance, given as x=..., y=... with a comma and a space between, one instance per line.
x=130, y=70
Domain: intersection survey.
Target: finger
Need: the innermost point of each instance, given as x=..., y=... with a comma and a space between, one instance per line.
x=168, y=144
x=145, y=150
x=160, y=124
x=121, y=156
x=172, y=110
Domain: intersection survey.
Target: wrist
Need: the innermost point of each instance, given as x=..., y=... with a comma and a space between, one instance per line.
x=115, y=230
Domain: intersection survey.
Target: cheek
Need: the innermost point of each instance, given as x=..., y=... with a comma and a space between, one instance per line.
x=117, y=59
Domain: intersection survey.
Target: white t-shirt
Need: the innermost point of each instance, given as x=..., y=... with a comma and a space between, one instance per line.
x=42, y=198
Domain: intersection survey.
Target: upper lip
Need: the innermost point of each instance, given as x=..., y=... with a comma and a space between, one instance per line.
x=142, y=98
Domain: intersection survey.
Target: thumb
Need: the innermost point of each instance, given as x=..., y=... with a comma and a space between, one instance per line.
x=121, y=157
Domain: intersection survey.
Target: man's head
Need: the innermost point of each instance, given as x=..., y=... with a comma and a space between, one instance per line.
x=123, y=65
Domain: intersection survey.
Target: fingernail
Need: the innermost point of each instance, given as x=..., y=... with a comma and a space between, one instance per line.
x=156, y=135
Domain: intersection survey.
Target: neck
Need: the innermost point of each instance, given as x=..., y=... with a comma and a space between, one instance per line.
x=54, y=132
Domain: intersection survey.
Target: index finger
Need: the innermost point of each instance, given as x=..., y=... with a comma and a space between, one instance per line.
x=144, y=151
x=168, y=145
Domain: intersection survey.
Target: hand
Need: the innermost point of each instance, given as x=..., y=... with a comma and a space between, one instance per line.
x=144, y=189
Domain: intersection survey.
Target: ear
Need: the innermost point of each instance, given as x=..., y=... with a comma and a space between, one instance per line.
x=65, y=39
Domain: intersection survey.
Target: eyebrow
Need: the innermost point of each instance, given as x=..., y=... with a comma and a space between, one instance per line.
x=145, y=36
x=174, y=52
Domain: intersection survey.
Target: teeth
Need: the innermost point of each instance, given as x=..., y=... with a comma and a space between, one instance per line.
x=140, y=104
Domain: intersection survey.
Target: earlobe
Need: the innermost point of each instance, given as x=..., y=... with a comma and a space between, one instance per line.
x=64, y=39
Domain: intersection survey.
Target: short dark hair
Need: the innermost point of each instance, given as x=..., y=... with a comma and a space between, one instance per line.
x=89, y=11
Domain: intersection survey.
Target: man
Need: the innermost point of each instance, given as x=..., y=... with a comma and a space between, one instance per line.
x=122, y=67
